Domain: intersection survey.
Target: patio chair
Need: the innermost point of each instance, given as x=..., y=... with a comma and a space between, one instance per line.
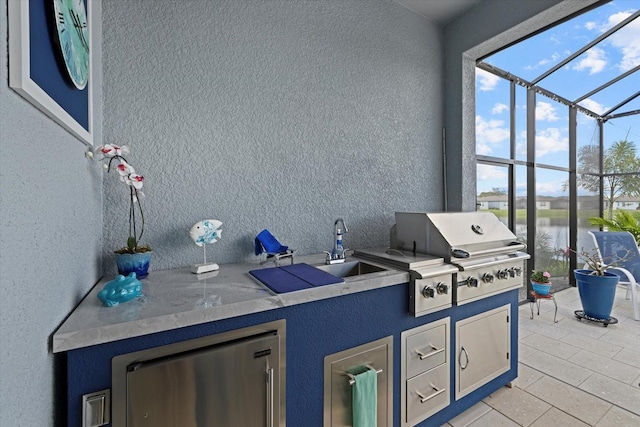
x=620, y=246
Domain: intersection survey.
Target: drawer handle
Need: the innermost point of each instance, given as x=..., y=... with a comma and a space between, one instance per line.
x=437, y=391
x=436, y=350
x=466, y=356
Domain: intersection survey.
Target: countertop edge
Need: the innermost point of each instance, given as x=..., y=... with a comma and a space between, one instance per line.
x=76, y=339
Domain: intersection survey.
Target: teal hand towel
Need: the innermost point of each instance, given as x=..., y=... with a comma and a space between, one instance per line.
x=365, y=399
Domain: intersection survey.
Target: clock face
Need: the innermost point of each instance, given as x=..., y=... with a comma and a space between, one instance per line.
x=73, y=38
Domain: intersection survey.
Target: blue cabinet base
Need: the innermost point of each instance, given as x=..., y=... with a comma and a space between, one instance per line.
x=314, y=330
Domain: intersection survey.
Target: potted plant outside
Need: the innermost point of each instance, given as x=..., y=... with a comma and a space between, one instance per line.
x=540, y=282
x=134, y=256
x=597, y=287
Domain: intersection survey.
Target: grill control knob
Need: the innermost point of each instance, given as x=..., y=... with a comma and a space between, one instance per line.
x=512, y=272
x=518, y=271
x=487, y=278
x=442, y=288
x=503, y=274
x=428, y=292
x=471, y=282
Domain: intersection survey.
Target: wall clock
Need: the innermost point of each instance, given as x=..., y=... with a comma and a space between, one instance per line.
x=73, y=39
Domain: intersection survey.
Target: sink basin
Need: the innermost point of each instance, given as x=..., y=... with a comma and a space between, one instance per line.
x=351, y=268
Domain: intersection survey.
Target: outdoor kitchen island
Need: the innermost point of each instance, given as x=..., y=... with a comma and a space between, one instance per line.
x=179, y=306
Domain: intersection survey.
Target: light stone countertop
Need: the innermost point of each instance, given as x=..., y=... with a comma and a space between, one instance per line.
x=178, y=298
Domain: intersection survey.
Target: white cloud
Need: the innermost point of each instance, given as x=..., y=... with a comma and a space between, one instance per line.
x=548, y=188
x=593, y=60
x=627, y=40
x=592, y=105
x=486, y=80
x=549, y=141
x=546, y=111
x=545, y=61
x=489, y=133
x=499, y=108
x=486, y=172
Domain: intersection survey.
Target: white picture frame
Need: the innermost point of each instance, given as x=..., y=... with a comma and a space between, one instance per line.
x=20, y=69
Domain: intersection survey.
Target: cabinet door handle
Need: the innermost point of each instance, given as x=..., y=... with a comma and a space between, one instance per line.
x=437, y=391
x=466, y=356
x=270, y=397
x=435, y=350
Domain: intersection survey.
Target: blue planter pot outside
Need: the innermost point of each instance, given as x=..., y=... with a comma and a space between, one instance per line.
x=134, y=263
x=597, y=293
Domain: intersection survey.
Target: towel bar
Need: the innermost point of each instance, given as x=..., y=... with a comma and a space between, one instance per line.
x=352, y=378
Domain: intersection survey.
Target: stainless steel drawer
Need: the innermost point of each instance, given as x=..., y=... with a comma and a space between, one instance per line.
x=426, y=350
x=428, y=393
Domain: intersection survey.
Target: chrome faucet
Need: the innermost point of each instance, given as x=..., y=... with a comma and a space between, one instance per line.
x=338, y=253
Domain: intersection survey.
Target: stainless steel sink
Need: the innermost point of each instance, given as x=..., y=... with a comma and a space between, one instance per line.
x=351, y=268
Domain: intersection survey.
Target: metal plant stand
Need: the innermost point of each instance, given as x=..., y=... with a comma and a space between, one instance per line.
x=536, y=299
x=605, y=322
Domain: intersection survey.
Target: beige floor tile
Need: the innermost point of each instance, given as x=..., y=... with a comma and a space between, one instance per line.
x=567, y=313
x=626, y=328
x=556, y=418
x=545, y=316
x=618, y=417
x=571, y=400
x=524, y=351
x=567, y=298
x=605, y=366
x=632, y=323
x=523, y=333
x=618, y=338
x=470, y=415
x=550, y=346
x=526, y=376
x=517, y=405
x=542, y=326
x=629, y=357
x=582, y=327
x=555, y=367
x=493, y=419
x=586, y=343
x=636, y=382
x=616, y=392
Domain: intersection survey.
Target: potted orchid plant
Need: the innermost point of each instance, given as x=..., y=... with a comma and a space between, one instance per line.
x=134, y=256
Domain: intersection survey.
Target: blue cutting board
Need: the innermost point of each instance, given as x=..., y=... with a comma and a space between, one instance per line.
x=294, y=277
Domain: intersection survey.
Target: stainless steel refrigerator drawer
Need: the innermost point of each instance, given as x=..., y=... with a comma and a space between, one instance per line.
x=428, y=393
x=426, y=350
x=231, y=379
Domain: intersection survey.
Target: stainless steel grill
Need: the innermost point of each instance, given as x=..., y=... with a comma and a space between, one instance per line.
x=479, y=253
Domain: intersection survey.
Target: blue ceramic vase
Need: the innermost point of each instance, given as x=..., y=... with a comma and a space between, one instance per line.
x=596, y=293
x=134, y=263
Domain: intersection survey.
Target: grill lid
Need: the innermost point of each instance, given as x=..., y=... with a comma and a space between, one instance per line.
x=454, y=235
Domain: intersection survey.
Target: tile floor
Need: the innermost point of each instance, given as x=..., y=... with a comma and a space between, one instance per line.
x=571, y=373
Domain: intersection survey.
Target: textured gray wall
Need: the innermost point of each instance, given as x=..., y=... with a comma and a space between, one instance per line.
x=50, y=248
x=271, y=114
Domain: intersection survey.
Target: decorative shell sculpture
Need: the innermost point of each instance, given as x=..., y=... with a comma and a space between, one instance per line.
x=203, y=233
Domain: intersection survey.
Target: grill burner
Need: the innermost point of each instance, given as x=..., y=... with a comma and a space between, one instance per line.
x=482, y=254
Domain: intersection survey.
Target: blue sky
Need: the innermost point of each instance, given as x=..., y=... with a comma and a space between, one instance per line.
x=534, y=56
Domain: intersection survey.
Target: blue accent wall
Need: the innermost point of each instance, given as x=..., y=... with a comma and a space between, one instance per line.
x=314, y=330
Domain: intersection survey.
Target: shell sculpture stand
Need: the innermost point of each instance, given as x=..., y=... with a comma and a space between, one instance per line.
x=203, y=233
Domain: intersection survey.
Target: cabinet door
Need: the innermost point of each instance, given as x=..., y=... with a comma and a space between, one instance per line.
x=483, y=344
